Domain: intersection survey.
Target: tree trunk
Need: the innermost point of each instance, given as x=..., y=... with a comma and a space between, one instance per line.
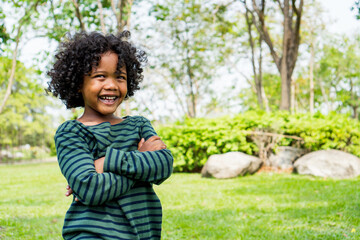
x=12, y=72
x=311, y=74
x=290, y=45
x=78, y=14
x=21, y=23
x=285, y=88
x=252, y=47
x=293, y=97
x=326, y=99
x=263, y=95
x=102, y=22
x=192, y=104
x=257, y=71
x=122, y=13
x=284, y=70
x=355, y=112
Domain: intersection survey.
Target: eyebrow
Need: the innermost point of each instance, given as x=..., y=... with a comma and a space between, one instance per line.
x=117, y=71
x=120, y=72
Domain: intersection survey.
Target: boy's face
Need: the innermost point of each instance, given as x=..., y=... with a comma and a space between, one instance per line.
x=105, y=88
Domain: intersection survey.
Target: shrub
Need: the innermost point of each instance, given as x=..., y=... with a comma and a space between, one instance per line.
x=194, y=140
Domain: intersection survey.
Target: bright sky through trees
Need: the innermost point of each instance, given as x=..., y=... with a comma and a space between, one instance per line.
x=339, y=19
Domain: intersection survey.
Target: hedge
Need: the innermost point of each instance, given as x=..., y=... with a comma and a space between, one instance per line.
x=194, y=140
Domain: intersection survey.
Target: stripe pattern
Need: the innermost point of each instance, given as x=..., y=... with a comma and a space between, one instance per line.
x=119, y=203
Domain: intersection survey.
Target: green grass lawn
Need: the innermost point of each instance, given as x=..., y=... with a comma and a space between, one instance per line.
x=261, y=206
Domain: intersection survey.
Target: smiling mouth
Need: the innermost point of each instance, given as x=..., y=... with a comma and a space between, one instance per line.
x=108, y=99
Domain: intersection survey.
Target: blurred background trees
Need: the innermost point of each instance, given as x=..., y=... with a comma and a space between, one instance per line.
x=206, y=59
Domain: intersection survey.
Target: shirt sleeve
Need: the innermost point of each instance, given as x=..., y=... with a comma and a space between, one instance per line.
x=77, y=165
x=154, y=167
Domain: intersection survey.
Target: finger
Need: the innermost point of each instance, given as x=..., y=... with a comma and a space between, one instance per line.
x=67, y=187
x=76, y=199
x=161, y=144
x=158, y=145
x=141, y=143
x=153, y=138
x=68, y=193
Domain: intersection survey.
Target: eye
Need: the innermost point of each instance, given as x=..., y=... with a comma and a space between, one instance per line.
x=99, y=76
x=121, y=77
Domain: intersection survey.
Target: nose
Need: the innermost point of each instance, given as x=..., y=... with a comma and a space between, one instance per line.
x=110, y=84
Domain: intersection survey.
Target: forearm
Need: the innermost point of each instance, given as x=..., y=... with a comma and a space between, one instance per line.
x=151, y=166
x=96, y=189
x=77, y=165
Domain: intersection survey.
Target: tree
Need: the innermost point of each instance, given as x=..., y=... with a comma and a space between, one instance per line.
x=192, y=49
x=24, y=116
x=4, y=35
x=271, y=85
x=69, y=16
x=356, y=7
x=29, y=9
x=285, y=57
x=338, y=71
x=313, y=28
x=257, y=68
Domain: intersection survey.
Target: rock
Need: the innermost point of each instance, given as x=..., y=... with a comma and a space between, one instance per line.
x=229, y=165
x=285, y=157
x=5, y=154
x=329, y=163
x=18, y=155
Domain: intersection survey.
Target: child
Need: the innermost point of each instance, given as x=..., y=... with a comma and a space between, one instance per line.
x=110, y=163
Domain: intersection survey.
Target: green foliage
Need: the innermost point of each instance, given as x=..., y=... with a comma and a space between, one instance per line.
x=4, y=35
x=24, y=119
x=195, y=46
x=338, y=72
x=356, y=8
x=272, y=87
x=194, y=140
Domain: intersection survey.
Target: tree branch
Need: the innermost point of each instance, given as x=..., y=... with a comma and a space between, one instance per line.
x=262, y=29
x=281, y=7
x=103, y=29
x=78, y=14
x=117, y=15
x=272, y=135
x=14, y=57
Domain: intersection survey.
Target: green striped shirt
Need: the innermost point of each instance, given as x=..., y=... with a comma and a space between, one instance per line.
x=119, y=203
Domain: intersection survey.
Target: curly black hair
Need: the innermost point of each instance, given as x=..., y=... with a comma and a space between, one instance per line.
x=79, y=54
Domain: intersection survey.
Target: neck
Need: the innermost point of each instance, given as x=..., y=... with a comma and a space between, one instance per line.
x=95, y=118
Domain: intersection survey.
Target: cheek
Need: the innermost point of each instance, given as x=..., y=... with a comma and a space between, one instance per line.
x=125, y=87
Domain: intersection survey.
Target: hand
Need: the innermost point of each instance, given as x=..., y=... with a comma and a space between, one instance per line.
x=70, y=192
x=99, y=165
x=154, y=143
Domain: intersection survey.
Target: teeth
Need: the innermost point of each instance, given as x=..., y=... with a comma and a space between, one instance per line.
x=108, y=97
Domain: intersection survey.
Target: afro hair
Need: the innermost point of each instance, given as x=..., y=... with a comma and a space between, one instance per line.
x=77, y=56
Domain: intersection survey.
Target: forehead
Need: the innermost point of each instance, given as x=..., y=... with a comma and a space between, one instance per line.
x=108, y=62
x=108, y=58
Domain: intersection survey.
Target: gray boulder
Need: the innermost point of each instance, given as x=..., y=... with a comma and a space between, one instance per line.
x=6, y=154
x=18, y=155
x=329, y=163
x=285, y=157
x=229, y=165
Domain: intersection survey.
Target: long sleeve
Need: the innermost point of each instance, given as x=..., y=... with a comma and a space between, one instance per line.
x=77, y=165
x=153, y=167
